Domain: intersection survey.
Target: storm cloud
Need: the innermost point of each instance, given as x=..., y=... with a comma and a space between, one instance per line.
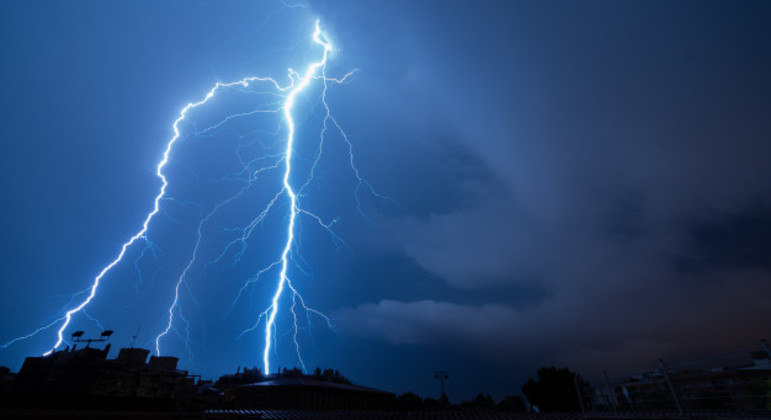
x=626, y=154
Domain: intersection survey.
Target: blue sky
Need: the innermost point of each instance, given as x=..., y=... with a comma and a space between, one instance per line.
x=577, y=183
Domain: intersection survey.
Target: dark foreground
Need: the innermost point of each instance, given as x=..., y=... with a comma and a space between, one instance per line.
x=29, y=414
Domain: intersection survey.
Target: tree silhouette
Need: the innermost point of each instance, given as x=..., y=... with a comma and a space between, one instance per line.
x=409, y=401
x=553, y=390
x=481, y=400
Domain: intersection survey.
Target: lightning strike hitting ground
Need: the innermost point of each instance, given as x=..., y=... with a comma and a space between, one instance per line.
x=310, y=72
x=298, y=83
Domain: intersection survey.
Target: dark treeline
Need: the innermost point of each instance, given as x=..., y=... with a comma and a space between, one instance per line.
x=550, y=390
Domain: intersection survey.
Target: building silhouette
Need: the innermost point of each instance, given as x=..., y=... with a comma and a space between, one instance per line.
x=85, y=377
x=292, y=389
x=740, y=384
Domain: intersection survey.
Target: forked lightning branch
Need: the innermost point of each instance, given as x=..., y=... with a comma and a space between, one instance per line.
x=299, y=81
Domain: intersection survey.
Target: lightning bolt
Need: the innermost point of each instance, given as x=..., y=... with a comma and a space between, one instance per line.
x=250, y=171
x=141, y=234
x=150, y=246
x=282, y=281
x=299, y=82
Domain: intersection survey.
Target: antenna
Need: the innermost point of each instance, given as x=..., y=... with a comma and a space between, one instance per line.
x=134, y=337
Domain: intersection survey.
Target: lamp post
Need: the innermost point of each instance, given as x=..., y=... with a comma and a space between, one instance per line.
x=441, y=375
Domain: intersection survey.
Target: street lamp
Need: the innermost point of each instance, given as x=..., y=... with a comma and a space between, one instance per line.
x=441, y=375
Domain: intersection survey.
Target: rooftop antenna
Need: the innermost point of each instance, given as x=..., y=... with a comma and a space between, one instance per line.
x=134, y=337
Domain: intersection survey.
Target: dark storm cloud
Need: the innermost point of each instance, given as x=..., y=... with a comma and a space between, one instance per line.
x=593, y=321
x=629, y=151
x=733, y=241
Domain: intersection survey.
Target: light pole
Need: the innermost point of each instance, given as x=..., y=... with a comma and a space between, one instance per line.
x=441, y=375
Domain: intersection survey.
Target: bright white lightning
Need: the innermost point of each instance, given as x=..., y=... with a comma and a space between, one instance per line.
x=298, y=83
x=67, y=317
x=288, y=105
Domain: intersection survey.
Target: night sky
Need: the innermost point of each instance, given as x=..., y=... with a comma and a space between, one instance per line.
x=583, y=184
